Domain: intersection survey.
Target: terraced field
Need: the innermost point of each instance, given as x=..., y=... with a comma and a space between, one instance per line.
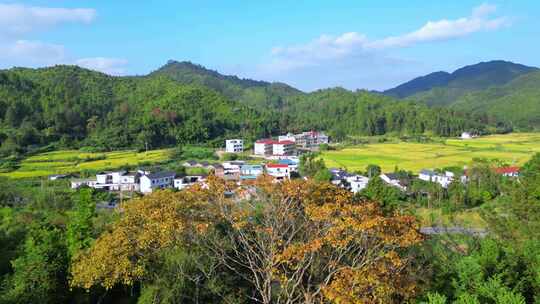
x=514, y=148
x=74, y=161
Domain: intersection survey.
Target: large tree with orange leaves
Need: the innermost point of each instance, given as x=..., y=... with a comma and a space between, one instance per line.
x=293, y=242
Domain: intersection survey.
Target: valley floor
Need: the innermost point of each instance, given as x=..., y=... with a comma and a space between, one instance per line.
x=514, y=149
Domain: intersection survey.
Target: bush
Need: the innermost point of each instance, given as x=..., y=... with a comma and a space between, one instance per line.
x=229, y=156
x=91, y=149
x=193, y=152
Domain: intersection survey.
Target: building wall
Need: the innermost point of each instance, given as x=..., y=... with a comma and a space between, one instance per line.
x=234, y=146
x=283, y=149
x=263, y=148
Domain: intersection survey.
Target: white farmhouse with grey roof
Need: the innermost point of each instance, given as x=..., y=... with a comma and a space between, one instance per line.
x=158, y=180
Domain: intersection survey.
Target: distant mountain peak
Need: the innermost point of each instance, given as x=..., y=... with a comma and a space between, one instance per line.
x=468, y=78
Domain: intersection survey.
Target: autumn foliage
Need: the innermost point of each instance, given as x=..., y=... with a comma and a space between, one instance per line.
x=293, y=242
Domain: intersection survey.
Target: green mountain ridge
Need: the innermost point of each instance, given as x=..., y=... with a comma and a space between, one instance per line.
x=516, y=103
x=442, y=88
x=183, y=103
x=247, y=91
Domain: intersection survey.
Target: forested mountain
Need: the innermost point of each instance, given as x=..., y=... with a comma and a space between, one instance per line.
x=516, y=103
x=343, y=112
x=79, y=107
x=247, y=91
x=420, y=84
x=442, y=88
x=184, y=103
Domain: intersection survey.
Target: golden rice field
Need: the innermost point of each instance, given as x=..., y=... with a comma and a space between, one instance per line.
x=69, y=161
x=514, y=148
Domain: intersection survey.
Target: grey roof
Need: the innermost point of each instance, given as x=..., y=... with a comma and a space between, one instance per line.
x=428, y=172
x=392, y=176
x=161, y=174
x=91, y=179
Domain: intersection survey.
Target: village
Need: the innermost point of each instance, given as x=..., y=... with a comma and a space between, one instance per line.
x=281, y=162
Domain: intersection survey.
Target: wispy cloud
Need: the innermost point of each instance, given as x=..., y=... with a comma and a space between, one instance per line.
x=16, y=19
x=349, y=46
x=111, y=66
x=354, y=60
x=25, y=52
x=443, y=30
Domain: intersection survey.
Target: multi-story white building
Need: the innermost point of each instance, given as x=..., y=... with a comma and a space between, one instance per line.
x=234, y=146
x=287, y=137
x=310, y=140
x=263, y=147
x=282, y=148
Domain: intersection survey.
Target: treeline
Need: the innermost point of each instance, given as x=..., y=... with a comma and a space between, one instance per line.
x=344, y=112
x=73, y=107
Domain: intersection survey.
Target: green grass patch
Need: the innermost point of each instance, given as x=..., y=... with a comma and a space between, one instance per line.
x=514, y=148
x=72, y=161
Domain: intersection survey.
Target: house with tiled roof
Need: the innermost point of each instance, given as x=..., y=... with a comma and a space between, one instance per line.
x=278, y=171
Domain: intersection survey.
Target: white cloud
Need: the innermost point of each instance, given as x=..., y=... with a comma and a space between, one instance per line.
x=447, y=29
x=25, y=52
x=16, y=19
x=111, y=66
x=349, y=46
x=355, y=61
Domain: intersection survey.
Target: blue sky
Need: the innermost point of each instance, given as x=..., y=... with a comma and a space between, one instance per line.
x=308, y=44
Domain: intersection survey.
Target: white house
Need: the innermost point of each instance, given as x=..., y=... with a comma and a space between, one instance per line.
x=508, y=171
x=283, y=147
x=279, y=171
x=158, y=180
x=234, y=146
x=129, y=181
x=442, y=179
x=392, y=180
x=357, y=182
x=251, y=170
x=466, y=135
x=263, y=147
x=187, y=181
x=291, y=162
x=79, y=182
x=232, y=167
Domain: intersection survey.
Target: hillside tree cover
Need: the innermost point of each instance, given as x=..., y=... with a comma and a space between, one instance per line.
x=71, y=107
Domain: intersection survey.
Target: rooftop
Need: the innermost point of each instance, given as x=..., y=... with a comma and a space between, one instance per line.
x=507, y=170
x=161, y=174
x=277, y=166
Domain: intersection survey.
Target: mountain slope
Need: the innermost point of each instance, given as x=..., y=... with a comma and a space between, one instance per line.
x=79, y=107
x=517, y=103
x=247, y=91
x=423, y=83
x=441, y=88
x=75, y=107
